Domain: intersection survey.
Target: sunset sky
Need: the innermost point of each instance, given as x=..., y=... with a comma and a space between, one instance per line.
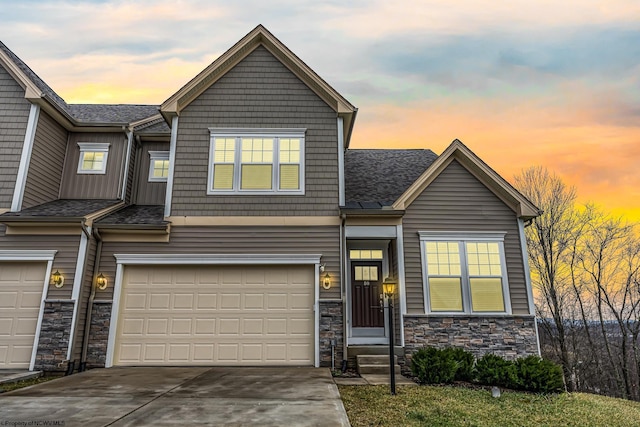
x=521, y=82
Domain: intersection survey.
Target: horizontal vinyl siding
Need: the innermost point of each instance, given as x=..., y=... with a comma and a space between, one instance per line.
x=457, y=201
x=149, y=193
x=236, y=240
x=14, y=116
x=259, y=92
x=64, y=261
x=90, y=186
x=47, y=161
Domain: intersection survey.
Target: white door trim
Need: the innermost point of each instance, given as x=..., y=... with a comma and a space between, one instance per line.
x=210, y=259
x=21, y=255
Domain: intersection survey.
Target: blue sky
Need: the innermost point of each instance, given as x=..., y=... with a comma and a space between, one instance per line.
x=520, y=82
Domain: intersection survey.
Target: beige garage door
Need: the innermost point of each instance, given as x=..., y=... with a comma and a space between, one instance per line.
x=192, y=315
x=20, y=296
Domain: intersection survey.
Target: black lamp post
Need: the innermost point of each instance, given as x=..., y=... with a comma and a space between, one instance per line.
x=388, y=287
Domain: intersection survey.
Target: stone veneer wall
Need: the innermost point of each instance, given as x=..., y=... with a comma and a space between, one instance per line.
x=54, y=336
x=99, y=334
x=331, y=328
x=506, y=336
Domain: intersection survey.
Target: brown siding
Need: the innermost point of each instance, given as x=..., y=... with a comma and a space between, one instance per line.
x=457, y=201
x=47, y=161
x=83, y=301
x=149, y=193
x=14, y=116
x=259, y=92
x=236, y=240
x=89, y=186
x=64, y=261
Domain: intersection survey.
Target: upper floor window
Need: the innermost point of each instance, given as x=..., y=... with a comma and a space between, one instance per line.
x=256, y=161
x=464, y=273
x=93, y=157
x=158, y=166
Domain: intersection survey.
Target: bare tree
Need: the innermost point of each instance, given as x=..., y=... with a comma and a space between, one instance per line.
x=550, y=243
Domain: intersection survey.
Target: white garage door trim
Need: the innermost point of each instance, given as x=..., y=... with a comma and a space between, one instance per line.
x=210, y=259
x=25, y=255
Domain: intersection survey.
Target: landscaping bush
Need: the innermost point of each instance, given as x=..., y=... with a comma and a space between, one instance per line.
x=494, y=370
x=538, y=375
x=465, y=361
x=433, y=366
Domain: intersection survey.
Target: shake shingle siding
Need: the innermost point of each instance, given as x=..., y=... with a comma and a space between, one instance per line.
x=14, y=116
x=47, y=161
x=457, y=201
x=259, y=92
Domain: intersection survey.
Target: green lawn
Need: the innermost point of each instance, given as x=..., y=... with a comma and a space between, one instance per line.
x=24, y=383
x=458, y=406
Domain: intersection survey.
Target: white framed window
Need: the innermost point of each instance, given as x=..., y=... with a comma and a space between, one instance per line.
x=464, y=273
x=93, y=157
x=256, y=161
x=158, y=166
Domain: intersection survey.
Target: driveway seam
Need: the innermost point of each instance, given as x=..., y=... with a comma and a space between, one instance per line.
x=156, y=398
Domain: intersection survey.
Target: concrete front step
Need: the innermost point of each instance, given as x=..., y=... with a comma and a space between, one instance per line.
x=375, y=364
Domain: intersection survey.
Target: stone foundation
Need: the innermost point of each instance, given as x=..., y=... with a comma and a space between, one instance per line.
x=54, y=336
x=99, y=334
x=331, y=328
x=507, y=336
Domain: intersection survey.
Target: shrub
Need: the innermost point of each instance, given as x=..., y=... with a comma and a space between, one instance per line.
x=494, y=370
x=433, y=366
x=538, y=375
x=465, y=361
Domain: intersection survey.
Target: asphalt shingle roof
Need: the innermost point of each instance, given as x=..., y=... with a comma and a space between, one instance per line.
x=157, y=126
x=376, y=178
x=85, y=113
x=136, y=214
x=63, y=208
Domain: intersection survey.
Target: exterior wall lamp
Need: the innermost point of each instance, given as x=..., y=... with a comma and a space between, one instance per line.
x=101, y=282
x=57, y=279
x=326, y=281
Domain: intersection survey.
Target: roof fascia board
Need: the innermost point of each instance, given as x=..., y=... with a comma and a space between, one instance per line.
x=31, y=90
x=491, y=179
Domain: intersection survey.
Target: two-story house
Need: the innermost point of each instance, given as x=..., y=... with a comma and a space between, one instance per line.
x=232, y=225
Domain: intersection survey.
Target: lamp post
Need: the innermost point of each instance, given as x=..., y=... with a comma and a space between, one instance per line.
x=388, y=288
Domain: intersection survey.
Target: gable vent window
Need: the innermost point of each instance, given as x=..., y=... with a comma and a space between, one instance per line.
x=464, y=273
x=93, y=157
x=256, y=161
x=158, y=166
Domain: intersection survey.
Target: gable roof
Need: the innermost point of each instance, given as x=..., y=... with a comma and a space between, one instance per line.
x=376, y=178
x=260, y=36
x=523, y=207
x=70, y=115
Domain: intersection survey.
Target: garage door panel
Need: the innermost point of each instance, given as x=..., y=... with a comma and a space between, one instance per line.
x=21, y=287
x=225, y=316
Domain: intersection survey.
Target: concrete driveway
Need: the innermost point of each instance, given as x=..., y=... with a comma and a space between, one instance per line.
x=181, y=396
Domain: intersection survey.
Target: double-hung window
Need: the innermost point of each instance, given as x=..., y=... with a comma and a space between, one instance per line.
x=93, y=157
x=158, y=166
x=464, y=273
x=256, y=161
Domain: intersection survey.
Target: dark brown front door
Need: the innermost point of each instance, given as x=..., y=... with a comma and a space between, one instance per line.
x=366, y=287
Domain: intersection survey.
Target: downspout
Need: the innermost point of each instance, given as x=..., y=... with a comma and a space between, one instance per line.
x=92, y=295
x=343, y=289
x=125, y=169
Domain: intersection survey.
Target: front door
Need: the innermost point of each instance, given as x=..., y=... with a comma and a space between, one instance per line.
x=366, y=287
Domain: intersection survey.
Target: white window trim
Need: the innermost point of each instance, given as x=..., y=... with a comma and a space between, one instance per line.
x=462, y=238
x=93, y=147
x=157, y=155
x=238, y=134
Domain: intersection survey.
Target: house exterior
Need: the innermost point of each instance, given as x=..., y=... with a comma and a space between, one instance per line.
x=232, y=225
